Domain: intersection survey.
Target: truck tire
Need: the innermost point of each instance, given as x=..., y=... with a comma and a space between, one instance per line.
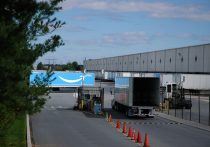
x=188, y=106
x=115, y=107
x=127, y=113
x=112, y=107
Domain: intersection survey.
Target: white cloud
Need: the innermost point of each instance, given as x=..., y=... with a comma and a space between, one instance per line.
x=129, y=39
x=182, y=36
x=116, y=39
x=153, y=9
x=74, y=28
x=191, y=36
x=89, y=16
x=86, y=42
x=126, y=38
x=81, y=17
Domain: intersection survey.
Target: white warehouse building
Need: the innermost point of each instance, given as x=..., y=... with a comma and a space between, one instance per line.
x=175, y=65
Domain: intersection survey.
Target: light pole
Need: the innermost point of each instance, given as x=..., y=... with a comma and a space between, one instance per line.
x=102, y=74
x=83, y=77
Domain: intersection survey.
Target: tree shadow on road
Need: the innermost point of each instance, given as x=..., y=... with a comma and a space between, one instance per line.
x=120, y=115
x=92, y=115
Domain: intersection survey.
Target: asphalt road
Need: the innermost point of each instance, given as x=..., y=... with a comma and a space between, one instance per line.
x=166, y=133
x=68, y=128
x=60, y=126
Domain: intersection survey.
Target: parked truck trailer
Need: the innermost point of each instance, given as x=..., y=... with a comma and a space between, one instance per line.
x=136, y=96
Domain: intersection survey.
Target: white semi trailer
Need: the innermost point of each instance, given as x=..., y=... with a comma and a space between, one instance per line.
x=136, y=96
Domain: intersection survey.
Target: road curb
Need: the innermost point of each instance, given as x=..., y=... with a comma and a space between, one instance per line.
x=29, y=144
x=186, y=122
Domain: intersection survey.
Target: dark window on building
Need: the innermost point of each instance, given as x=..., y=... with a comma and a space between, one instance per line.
x=143, y=61
x=160, y=60
x=196, y=58
x=151, y=61
x=182, y=59
x=170, y=60
x=168, y=88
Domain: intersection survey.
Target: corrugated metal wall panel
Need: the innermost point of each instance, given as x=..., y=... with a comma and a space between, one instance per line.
x=143, y=65
x=207, y=58
x=89, y=65
x=137, y=61
x=159, y=63
x=109, y=64
x=101, y=64
x=196, y=59
x=130, y=62
x=93, y=64
x=104, y=63
x=182, y=58
x=97, y=64
x=151, y=61
x=170, y=60
x=193, y=59
x=125, y=63
x=120, y=65
x=113, y=64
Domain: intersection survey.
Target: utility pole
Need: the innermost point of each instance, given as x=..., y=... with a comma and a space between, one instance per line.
x=53, y=62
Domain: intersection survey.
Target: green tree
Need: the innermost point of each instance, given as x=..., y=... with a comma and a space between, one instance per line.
x=40, y=66
x=75, y=65
x=80, y=67
x=22, y=24
x=72, y=66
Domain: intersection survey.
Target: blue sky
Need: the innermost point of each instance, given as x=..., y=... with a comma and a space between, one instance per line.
x=105, y=28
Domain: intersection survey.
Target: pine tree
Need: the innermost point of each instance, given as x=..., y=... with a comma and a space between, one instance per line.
x=22, y=23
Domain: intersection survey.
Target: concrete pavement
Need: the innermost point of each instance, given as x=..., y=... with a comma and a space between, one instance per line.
x=186, y=122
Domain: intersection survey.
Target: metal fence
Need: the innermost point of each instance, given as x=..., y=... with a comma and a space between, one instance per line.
x=199, y=110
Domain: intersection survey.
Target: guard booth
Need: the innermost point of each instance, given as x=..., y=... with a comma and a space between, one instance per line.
x=91, y=99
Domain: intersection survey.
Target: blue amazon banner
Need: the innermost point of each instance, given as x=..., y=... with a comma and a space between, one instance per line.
x=122, y=82
x=65, y=78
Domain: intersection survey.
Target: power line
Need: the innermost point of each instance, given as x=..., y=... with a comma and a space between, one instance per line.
x=52, y=59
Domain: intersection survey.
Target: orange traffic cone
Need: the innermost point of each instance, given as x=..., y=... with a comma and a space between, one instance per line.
x=130, y=132
x=124, y=128
x=118, y=124
x=146, y=141
x=110, y=118
x=134, y=135
x=139, y=138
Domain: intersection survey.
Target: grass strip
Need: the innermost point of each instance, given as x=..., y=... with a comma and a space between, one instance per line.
x=15, y=135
